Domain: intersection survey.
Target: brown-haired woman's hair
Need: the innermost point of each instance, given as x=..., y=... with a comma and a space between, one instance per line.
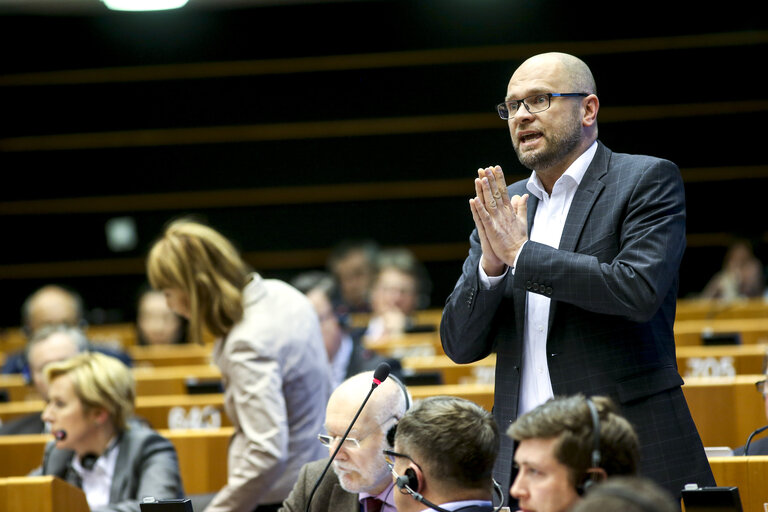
x=202, y=263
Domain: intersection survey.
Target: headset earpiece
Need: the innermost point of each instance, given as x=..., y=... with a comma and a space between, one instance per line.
x=592, y=477
x=393, y=429
x=413, y=479
x=391, y=435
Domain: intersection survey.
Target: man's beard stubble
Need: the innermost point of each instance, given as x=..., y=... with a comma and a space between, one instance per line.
x=560, y=143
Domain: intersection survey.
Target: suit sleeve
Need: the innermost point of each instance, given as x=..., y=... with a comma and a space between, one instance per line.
x=257, y=455
x=633, y=284
x=469, y=311
x=297, y=499
x=156, y=468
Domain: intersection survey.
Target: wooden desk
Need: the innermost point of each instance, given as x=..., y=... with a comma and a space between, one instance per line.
x=721, y=361
x=751, y=330
x=202, y=456
x=749, y=474
x=41, y=494
x=725, y=409
x=481, y=394
x=479, y=372
x=161, y=411
x=700, y=309
x=170, y=355
x=422, y=344
x=169, y=380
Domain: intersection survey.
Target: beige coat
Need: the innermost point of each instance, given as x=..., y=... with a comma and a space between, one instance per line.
x=277, y=382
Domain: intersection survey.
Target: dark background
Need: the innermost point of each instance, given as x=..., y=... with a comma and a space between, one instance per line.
x=292, y=127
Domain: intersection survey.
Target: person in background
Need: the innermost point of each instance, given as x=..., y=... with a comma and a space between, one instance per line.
x=758, y=446
x=49, y=344
x=53, y=305
x=346, y=353
x=627, y=494
x=90, y=400
x=269, y=349
x=742, y=275
x=360, y=480
x=353, y=264
x=445, y=449
x=401, y=287
x=156, y=324
x=566, y=446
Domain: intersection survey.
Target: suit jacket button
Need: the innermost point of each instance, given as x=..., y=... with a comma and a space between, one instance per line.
x=528, y=285
x=549, y=290
x=535, y=287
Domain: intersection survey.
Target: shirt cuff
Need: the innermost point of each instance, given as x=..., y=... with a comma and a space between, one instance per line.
x=488, y=282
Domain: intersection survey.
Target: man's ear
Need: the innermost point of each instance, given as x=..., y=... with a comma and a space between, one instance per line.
x=591, y=105
x=597, y=474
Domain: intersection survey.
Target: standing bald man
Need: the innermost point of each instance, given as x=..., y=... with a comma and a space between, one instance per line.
x=572, y=274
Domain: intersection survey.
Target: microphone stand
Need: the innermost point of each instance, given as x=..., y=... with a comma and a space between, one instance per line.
x=749, y=439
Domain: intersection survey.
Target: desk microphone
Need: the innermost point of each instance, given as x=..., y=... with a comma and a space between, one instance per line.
x=749, y=439
x=379, y=376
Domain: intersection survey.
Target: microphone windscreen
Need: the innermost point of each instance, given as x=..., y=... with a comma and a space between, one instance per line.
x=381, y=373
x=60, y=435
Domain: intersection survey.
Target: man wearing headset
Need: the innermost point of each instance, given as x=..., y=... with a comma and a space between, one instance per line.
x=360, y=480
x=445, y=449
x=566, y=445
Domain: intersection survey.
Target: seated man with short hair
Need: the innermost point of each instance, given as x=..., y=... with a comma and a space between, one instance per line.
x=445, y=449
x=566, y=445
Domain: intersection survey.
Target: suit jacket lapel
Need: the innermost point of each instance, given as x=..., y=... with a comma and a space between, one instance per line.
x=586, y=194
x=122, y=469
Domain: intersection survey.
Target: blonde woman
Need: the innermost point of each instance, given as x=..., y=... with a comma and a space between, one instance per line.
x=90, y=400
x=269, y=349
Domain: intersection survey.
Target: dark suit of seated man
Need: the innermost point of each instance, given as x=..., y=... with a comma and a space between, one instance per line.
x=759, y=446
x=445, y=449
x=360, y=480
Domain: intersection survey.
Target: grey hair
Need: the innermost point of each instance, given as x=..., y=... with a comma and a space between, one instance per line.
x=76, y=334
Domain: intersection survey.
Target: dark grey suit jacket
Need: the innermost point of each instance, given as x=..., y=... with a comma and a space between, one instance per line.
x=146, y=466
x=613, y=283
x=329, y=497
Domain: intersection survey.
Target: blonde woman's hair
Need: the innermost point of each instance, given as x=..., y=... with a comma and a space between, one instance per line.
x=100, y=381
x=202, y=263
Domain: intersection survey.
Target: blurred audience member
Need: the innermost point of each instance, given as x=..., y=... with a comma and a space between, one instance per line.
x=758, y=446
x=742, y=275
x=401, y=286
x=91, y=397
x=360, y=480
x=156, y=324
x=49, y=344
x=346, y=353
x=445, y=449
x=566, y=446
x=627, y=494
x=53, y=305
x=269, y=349
x=353, y=264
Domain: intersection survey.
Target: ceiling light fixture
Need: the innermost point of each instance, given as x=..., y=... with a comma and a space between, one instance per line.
x=143, y=5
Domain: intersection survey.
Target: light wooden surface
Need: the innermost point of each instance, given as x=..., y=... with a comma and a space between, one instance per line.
x=40, y=494
x=721, y=361
x=749, y=474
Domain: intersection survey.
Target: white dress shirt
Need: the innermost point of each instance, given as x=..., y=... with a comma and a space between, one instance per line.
x=97, y=482
x=548, y=224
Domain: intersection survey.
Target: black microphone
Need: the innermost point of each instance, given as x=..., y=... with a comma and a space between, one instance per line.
x=379, y=375
x=749, y=439
x=60, y=435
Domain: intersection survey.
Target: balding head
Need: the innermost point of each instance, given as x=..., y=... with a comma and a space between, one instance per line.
x=51, y=305
x=570, y=73
x=360, y=465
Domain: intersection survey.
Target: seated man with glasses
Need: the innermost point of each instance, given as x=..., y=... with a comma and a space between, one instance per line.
x=360, y=480
x=759, y=446
x=445, y=449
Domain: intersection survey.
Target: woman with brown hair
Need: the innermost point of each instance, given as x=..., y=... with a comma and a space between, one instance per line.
x=269, y=349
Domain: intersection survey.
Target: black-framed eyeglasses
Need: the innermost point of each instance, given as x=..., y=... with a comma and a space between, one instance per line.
x=762, y=388
x=534, y=104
